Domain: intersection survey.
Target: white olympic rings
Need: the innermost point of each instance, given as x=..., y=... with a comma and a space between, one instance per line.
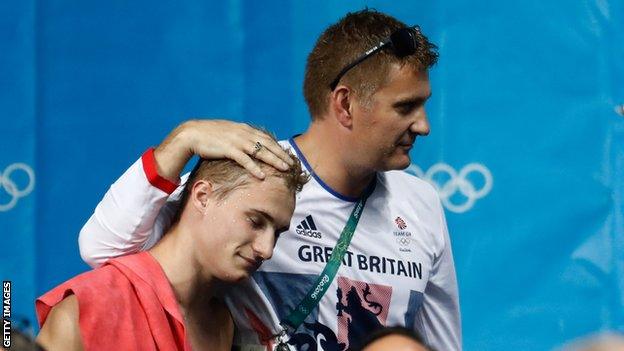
x=456, y=182
x=403, y=241
x=11, y=188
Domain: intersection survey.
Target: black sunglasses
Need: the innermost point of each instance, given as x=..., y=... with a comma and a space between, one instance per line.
x=402, y=41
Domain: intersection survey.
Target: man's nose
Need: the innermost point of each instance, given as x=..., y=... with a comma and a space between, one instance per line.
x=421, y=125
x=264, y=244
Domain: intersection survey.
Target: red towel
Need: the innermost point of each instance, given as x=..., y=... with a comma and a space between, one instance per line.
x=127, y=304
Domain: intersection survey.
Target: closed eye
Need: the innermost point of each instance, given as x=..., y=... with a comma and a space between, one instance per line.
x=257, y=222
x=260, y=220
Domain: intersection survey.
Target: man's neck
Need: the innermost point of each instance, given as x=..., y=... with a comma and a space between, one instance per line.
x=183, y=273
x=326, y=156
x=206, y=318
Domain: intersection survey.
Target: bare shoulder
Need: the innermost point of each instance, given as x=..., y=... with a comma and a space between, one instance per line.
x=61, y=330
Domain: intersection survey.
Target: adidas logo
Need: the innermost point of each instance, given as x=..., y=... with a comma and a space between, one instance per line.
x=308, y=228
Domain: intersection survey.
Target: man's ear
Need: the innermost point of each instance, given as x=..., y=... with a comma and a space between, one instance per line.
x=201, y=194
x=341, y=104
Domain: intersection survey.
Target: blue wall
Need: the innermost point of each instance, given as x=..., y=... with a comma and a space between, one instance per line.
x=524, y=102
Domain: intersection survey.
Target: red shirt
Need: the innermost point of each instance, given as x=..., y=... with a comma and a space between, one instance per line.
x=127, y=304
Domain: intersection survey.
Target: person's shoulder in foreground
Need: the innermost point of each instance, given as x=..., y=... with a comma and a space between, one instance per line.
x=392, y=339
x=603, y=341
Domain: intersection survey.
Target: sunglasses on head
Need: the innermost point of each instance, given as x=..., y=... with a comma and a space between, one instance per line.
x=402, y=41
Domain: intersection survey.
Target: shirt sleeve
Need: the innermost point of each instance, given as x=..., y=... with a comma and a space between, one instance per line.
x=439, y=318
x=133, y=214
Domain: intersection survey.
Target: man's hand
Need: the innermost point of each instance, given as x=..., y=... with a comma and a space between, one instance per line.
x=215, y=139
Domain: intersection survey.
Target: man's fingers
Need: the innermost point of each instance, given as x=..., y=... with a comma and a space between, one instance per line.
x=238, y=141
x=276, y=149
x=248, y=163
x=267, y=156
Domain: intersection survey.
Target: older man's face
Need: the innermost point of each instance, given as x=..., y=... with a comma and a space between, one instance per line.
x=387, y=126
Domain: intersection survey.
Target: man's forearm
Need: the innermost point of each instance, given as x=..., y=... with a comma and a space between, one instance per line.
x=124, y=220
x=173, y=153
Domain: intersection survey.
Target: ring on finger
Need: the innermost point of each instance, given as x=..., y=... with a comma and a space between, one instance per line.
x=257, y=147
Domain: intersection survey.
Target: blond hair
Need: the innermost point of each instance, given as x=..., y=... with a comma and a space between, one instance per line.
x=227, y=175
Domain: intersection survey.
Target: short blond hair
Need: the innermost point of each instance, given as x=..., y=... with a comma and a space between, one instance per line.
x=227, y=175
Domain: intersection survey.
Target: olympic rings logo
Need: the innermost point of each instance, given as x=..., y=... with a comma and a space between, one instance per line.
x=456, y=182
x=403, y=241
x=8, y=184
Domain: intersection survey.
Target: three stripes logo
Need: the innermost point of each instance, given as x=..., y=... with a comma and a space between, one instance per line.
x=308, y=228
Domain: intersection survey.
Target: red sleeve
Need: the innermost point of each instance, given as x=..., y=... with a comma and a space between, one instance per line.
x=151, y=171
